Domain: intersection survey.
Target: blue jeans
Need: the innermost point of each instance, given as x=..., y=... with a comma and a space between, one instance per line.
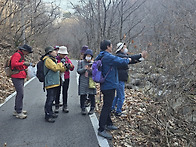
x=120, y=97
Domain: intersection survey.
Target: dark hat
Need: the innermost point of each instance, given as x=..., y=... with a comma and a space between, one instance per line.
x=26, y=48
x=88, y=52
x=84, y=48
x=49, y=49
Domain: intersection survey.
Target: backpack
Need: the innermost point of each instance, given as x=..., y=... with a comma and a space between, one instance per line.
x=97, y=75
x=7, y=66
x=40, y=71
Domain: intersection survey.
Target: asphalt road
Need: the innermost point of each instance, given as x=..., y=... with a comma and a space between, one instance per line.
x=70, y=129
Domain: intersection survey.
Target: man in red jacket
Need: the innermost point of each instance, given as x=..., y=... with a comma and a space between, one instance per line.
x=19, y=64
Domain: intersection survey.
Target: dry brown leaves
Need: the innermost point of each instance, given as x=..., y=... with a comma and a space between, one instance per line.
x=5, y=83
x=146, y=123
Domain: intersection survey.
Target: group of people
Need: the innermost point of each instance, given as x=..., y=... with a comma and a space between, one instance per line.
x=57, y=67
x=56, y=75
x=56, y=70
x=116, y=69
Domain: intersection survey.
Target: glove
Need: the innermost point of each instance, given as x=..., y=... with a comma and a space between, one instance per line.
x=27, y=63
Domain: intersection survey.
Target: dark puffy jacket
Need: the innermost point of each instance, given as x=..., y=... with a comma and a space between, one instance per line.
x=123, y=70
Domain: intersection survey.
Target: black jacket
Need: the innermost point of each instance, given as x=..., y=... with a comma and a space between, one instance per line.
x=123, y=70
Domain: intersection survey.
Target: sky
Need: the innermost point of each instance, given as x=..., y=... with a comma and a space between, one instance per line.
x=64, y=4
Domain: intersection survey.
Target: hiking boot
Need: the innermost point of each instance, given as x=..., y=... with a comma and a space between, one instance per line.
x=56, y=110
x=83, y=112
x=92, y=110
x=65, y=109
x=54, y=115
x=23, y=111
x=50, y=120
x=21, y=115
x=105, y=134
x=111, y=127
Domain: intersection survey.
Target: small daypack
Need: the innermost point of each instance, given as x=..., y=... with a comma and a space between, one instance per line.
x=40, y=71
x=97, y=75
x=7, y=66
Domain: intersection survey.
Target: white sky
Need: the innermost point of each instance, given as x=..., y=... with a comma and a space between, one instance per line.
x=64, y=4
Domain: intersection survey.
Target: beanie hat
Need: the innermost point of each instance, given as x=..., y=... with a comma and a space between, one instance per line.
x=63, y=50
x=119, y=46
x=88, y=52
x=84, y=48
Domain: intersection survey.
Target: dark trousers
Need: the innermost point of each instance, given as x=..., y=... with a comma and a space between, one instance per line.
x=19, y=86
x=105, y=118
x=65, y=93
x=83, y=100
x=51, y=95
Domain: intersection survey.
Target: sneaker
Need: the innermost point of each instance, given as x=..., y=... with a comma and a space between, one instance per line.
x=50, y=120
x=23, y=111
x=111, y=127
x=83, y=112
x=65, y=109
x=105, y=134
x=56, y=110
x=92, y=110
x=21, y=115
x=54, y=115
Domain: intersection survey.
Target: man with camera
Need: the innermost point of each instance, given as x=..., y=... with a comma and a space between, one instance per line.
x=62, y=57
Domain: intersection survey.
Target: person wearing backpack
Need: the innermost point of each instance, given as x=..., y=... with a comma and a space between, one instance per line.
x=85, y=71
x=65, y=78
x=123, y=76
x=108, y=87
x=52, y=81
x=18, y=63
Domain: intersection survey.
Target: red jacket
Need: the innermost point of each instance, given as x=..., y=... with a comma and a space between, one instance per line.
x=66, y=73
x=18, y=65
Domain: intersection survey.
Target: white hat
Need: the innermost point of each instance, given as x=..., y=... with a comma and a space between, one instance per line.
x=62, y=50
x=119, y=46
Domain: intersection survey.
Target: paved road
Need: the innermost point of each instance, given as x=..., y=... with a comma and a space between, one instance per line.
x=70, y=129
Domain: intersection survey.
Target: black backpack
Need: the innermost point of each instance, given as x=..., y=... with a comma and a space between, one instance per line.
x=40, y=71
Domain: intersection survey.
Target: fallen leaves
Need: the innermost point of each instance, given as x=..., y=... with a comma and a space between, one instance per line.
x=147, y=123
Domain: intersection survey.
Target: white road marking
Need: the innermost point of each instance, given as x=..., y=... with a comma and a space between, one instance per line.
x=12, y=95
